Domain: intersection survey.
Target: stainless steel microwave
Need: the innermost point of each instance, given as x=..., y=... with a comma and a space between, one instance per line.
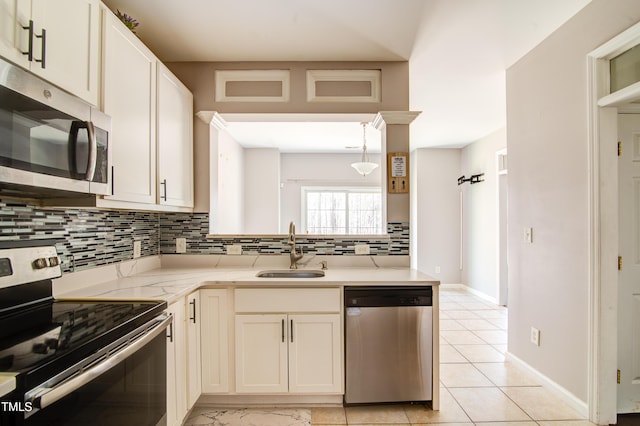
x=51, y=143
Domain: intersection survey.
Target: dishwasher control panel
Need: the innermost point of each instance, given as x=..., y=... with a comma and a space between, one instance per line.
x=379, y=296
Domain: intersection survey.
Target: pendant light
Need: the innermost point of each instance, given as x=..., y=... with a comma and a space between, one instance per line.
x=364, y=167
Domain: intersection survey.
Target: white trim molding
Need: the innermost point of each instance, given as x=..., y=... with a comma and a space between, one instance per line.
x=394, y=117
x=603, y=218
x=373, y=77
x=222, y=77
x=560, y=392
x=212, y=118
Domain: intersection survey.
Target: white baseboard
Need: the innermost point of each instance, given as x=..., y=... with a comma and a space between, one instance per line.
x=560, y=392
x=471, y=290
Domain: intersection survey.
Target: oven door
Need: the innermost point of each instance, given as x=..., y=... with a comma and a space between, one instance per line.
x=124, y=384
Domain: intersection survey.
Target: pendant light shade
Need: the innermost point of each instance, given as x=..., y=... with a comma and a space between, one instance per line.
x=364, y=167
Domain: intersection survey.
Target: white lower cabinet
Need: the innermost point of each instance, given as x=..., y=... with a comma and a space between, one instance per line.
x=261, y=354
x=288, y=353
x=194, y=368
x=297, y=350
x=183, y=358
x=176, y=365
x=315, y=353
x=215, y=340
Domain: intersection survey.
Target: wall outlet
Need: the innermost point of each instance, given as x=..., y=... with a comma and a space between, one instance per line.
x=234, y=249
x=362, y=249
x=535, y=336
x=181, y=245
x=437, y=269
x=137, y=249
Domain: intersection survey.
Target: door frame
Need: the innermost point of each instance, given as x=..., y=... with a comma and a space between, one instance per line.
x=502, y=175
x=603, y=218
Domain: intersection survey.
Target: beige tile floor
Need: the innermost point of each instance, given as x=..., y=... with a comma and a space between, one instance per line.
x=478, y=387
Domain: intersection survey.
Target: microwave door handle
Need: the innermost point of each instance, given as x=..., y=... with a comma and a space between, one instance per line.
x=73, y=147
x=93, y=152
x=73, y=144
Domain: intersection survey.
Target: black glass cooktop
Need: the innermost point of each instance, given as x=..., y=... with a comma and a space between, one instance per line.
x=42, y=339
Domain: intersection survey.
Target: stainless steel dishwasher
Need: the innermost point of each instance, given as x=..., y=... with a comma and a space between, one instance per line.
x=388, y=332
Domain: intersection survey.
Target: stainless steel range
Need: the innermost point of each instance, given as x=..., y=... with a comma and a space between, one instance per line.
x=76, y=362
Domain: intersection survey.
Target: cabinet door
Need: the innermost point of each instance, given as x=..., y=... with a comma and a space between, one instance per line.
x=72, y=45
x=214, y=341
x=194, y=380
x=14, y=39
x=261, y=353
x=175, y=141
x=129, y=97
x=315, y=353
x=176, y=365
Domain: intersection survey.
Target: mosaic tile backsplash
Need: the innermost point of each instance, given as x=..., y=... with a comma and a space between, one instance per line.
x=84, y=238
x=87, y=238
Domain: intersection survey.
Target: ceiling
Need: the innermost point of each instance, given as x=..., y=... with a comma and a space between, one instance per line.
x=458, y=50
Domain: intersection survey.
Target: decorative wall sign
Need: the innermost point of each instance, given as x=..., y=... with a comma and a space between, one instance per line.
x=397, y=172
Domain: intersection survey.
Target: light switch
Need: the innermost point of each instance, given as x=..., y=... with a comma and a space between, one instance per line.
x=528, y=235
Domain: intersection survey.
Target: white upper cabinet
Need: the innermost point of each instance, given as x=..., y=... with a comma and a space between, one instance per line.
x=57, y=40
x=175, y=141
x=14, y=39
x=129, y=97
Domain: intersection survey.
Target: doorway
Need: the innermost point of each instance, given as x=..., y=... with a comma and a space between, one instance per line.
x=628, y=395
x=503, y=268
x=605, y=309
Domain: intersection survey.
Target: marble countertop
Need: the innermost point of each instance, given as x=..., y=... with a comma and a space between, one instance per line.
x=165, y=280
x=7, y=383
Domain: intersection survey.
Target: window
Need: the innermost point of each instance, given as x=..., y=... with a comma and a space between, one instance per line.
x=342, y=210
x=624, y=69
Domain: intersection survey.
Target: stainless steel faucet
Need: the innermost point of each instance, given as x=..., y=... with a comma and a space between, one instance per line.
x=292, y=242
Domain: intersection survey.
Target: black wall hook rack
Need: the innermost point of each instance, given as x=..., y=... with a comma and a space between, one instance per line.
x=472, y=179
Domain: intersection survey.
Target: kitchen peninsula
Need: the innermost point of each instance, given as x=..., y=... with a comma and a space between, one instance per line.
x=219, y=350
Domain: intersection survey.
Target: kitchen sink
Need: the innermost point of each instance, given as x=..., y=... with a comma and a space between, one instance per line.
x=291, y=273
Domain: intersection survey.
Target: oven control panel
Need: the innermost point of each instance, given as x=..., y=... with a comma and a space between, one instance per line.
x=28, y=264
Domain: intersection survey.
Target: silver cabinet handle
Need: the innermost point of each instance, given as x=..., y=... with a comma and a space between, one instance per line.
x=170, y=336
x=43, y=49
x=29, y=51
x=48, y=396
x=291, y=331
x=164, y=185
x=283, y=331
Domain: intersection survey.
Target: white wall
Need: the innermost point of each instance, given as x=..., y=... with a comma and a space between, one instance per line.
x=228, y=216
x=261, y=191
x=298, y=170
x=435, y=213
x=480, y=214
x=548, y=191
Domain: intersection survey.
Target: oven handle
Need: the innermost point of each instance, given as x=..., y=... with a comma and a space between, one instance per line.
x=54, y=394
